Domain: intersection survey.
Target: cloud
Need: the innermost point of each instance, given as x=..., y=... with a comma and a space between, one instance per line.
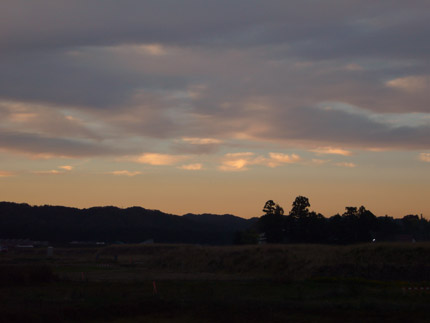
x=353, y=67
x=153, y=49
x=159, y=159
x=42, y=119
x=125, y=173
x=240, y=161
x=39, y=146
x=236, y=161
x=312, y=31
x=240, y=154
x=6, y=174
x=181, y=75
x=320, y=161
x=346, y=164
x=332, y=151
x=313, y=125
x=195, y=145
x=277, y=159
x=425, y=157
x=196, y=166
x=410, y=83
x=48, y=172
x=66, y=167
x=201, y=141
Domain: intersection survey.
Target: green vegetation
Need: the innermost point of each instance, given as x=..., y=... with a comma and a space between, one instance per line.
x=271, y=283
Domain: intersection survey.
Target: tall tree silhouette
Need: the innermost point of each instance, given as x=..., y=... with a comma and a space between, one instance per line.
x=272, y=222
x=297, y=219
x=300, y=207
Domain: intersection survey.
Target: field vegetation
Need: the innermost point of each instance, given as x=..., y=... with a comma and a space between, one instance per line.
x=190, y=283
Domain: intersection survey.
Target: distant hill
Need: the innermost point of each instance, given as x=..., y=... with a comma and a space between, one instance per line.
x=111, y=224
x=226, y=222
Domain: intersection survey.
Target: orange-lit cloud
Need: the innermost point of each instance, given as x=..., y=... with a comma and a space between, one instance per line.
x=240, y=161
x=153, y=49
x=160, y=159
x=201, y=141
x=66, y=167
x=346, y=164
x=196, y=166
x=277, y=159
x=236, y=161
x=48, y=172
x=6, y=174
x=410, y=83
x=332, y=151
x=125, y=173
x=425, y=157
x=317, y=161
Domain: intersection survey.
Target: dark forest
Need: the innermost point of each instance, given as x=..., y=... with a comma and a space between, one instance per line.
x=58, y=224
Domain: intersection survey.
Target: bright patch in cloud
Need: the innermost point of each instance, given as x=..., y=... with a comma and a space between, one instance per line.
x=125, y=173
x=48, y=172
x=425, y=157
x=240, y=161
x=234, y=165
x=22, y=117
x=242, y=154
x=332, y=151
x=192, y=167
x=5, y=174
x=353, y=67
x=201, y=141
x=320, y=161
x=409, y=83
x=277, y=159
x=153, y=49
x=346, y=164
x=236, y=161
x=160, y=159
x=66, y=167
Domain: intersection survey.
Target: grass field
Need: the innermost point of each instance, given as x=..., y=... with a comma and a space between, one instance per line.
x=271, y=283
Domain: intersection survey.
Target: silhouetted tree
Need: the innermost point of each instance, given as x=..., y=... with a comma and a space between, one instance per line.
x=300, y=207
x=272, y=222
x=296, y=224
x=269, y=207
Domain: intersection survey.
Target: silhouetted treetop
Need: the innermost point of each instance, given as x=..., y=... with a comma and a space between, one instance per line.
x=300, y=207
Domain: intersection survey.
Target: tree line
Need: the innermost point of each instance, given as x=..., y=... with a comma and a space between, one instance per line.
x=133, y=225
x=58, y=224
x=355, y=225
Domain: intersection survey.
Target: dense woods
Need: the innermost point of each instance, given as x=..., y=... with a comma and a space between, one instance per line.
x=355, y=225
x=58, y=224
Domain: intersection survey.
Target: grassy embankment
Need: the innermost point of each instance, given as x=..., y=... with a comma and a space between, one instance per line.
x=199, y=283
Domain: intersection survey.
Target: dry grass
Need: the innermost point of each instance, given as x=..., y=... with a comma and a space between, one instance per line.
x=384, y=261
x=286, y=262
x=271, y=283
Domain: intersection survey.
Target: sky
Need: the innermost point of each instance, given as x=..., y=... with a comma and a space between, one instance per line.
x=208, y=106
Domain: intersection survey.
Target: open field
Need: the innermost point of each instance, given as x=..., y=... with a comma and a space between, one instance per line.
x=274, y=283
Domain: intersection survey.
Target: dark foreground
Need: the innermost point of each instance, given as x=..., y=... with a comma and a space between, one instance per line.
x=209, y=284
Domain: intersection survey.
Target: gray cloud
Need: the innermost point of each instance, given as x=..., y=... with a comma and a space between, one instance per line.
x=49, y=23
x=184, y=148
x=224, y=69
x=328, y=127
x=43, y=146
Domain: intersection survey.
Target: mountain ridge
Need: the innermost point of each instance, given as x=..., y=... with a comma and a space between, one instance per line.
x=110, y=223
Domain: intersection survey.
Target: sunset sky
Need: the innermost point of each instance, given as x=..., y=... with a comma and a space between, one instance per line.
x=216, y=106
